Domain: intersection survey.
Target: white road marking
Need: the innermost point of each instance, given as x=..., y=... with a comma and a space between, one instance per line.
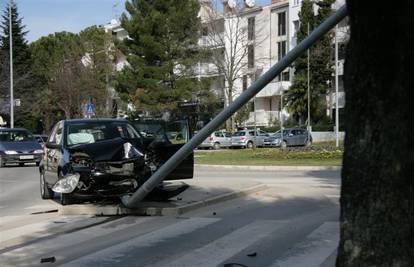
x=39, y=228
x=313, y=251
x=221, y=249
x=111, y=255
x=29, y=255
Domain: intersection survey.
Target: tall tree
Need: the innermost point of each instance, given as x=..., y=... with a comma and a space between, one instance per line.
x=23, y=78
x=377, y=194
x=296, y=99
x=230, y=39
x=72, y=69
x=160, y=49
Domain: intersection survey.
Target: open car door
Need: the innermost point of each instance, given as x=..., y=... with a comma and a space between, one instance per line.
x=164, y=139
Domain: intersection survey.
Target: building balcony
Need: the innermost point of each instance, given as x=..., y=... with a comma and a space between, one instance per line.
x=263, y=118
x=212, y=41
x=273, y=89
x=206, y=70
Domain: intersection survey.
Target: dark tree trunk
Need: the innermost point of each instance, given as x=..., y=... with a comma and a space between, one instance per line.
x=377, y=198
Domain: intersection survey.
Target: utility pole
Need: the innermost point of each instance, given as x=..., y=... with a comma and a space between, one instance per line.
x=336, y=88
x=281, y=110
x=308, y=91
x=11, y=66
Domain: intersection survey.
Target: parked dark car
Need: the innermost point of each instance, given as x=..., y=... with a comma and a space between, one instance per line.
x=291, y=137
x=104, y=158
x=18, y=146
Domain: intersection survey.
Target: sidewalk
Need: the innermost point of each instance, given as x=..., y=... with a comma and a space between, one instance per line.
x=272, y=168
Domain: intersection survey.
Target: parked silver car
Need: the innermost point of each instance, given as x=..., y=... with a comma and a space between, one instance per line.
x=246, y=138
x=291, y=137
x=217, y=140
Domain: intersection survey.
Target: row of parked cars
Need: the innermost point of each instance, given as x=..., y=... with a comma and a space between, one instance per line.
x=247, y=139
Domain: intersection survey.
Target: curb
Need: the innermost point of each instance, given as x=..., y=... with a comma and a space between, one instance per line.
x=273, y=168
x=110, y=210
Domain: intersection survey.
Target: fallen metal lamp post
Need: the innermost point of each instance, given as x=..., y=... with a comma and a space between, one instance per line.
x=133, y=200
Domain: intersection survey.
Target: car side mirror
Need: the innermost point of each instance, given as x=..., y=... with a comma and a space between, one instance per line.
x=53, y=145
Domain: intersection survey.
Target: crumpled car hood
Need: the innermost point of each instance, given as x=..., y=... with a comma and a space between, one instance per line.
x=107, y=150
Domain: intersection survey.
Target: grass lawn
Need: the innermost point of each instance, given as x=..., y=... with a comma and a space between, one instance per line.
x=322, y=154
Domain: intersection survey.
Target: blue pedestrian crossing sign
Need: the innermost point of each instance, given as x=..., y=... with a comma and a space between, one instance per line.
x=89, y=109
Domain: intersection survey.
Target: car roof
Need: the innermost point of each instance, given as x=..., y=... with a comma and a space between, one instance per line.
x=13, y=129
x=93, y=120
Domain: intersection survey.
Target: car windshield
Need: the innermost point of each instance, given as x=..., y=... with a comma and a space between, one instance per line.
x=92, y=132
x=15, y=136
x=239, y=134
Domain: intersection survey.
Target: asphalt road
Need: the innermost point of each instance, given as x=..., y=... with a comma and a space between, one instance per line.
x=293, y=223
x=19, y=191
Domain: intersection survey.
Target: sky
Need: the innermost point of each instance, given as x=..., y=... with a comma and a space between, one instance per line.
x=43, y=17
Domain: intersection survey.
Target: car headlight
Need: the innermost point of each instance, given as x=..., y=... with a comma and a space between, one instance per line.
x=277, y=141
x=38, y=151
x=67, y=184
x=10, y=152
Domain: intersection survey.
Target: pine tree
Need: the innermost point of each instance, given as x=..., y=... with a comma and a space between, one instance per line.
x=23, y=79
x=296, y=99
x=161, y=52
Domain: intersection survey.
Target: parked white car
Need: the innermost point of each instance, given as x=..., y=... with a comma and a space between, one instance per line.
x=246, y=138
x=217, y=140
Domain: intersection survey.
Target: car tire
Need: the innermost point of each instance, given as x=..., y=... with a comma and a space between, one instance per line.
x=216, y=146
x=249, y=145
x=45, y=191
x=21, y=164
x=283, y=145
x=38, y=163
x=1, y=163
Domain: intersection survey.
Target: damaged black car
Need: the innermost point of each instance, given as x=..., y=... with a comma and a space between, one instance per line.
x=87, y=159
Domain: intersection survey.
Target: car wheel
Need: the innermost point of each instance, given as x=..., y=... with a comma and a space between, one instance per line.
x=249, y=145
x=283, y=145
x=45, y=191
x=1, y=163
x=21, y=164
x=216, y=146
x=38, y=163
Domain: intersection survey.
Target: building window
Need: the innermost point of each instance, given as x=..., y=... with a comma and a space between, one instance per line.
x=296, y=2
x=250, y=28
x=281, y=23
x=281, y=49
x=295, y=27
x=244, y=82
x=252, y=108
x=283, y=77
x=250, y=56
x=204, y=31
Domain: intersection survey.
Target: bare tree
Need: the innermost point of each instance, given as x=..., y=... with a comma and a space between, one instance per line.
x=231, y=40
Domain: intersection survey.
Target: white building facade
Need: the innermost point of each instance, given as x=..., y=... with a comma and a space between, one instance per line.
x=270, y=34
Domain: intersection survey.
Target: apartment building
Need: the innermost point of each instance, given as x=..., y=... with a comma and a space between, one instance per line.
x=270, y=32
